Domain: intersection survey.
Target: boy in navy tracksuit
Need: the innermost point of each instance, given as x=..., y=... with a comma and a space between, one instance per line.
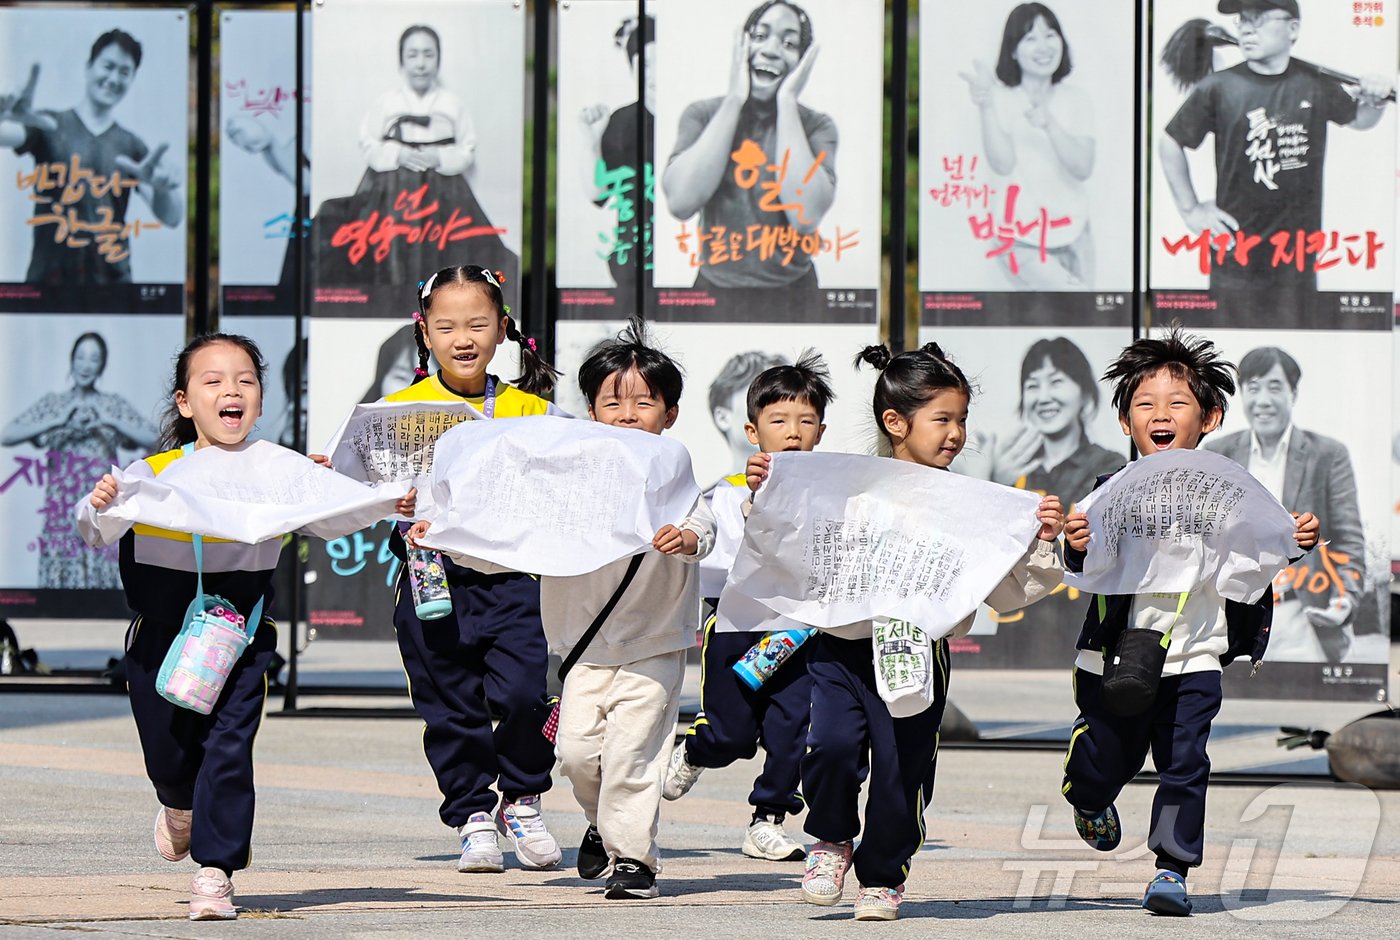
x=786, y=408
x=1169, y=393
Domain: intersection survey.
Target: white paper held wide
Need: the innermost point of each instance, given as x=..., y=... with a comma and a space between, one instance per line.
x=248, y=493
x=555, y=496
x=1180, y=519
x=834, y=539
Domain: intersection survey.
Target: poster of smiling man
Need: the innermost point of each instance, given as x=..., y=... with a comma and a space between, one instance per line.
x=93, y=140
x=769, y=146
x=416, y=150
x=1273, y=144
x=1026, y=159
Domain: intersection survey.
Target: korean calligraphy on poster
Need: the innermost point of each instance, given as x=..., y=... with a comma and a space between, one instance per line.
x=1273, y=152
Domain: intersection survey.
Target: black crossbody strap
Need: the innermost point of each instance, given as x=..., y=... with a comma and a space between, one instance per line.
x=597, y=623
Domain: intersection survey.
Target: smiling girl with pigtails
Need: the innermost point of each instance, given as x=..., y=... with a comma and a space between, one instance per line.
x=489, y=654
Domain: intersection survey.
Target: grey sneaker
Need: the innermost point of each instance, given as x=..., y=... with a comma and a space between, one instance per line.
x=523, y=824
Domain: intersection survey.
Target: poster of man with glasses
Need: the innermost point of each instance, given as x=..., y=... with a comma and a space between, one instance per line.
x=1272, y=105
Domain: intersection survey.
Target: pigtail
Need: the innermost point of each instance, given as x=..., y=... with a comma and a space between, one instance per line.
x=878, y=356
x=536, y=376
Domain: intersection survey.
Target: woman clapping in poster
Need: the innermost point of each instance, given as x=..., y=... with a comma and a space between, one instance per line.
x=419, y=145
x=86, y=139
x=1038, y=133
x=756, y=161
x=80, y=431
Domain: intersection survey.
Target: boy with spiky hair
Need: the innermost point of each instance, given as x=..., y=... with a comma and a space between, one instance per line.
x=1170, y=392
x=786, y=410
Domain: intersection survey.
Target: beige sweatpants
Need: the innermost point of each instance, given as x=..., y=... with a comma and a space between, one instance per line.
x=616, y=726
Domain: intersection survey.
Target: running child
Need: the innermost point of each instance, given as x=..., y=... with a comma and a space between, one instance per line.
x=920, y=405
x=489, y=655
x=786, y=410
x=1170, y=393
x=621, y=699
x=201, y=765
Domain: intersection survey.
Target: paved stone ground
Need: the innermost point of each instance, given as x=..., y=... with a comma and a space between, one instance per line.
x=348, y=843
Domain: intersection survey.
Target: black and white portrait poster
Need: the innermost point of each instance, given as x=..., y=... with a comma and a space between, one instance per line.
x=769, y=147
x=1273, y=164
x=416, y=152
x=94, y=108
x=1026, y=158
x=718, y=372
x=1041, y=420
x=257, y=162
x=603, y=239
x=80, y=395
x=1299, y=425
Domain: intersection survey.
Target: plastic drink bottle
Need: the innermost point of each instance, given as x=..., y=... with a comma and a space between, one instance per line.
x=765, y=656
x=427, y=578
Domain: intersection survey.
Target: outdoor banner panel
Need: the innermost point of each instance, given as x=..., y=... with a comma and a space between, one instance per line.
x=1026, y=162
x=93, y=160
x=416, y=152
x=80, y=394
x=1041, y=420
x=92, y=279
x=769, y=148
x=1272, y=178
x=604, y=210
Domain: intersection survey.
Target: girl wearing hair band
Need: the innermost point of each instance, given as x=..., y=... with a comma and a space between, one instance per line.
x=920, y=406
x=419, y=147
x=773, y=58
x=489, y=655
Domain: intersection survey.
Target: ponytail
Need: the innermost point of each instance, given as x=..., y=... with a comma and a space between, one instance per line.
x=910, y=379
x=536, y=375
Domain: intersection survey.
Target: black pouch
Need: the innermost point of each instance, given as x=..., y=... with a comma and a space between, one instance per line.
x=1132, y=670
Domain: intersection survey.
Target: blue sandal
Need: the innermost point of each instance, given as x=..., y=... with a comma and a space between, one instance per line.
x=1101, y=831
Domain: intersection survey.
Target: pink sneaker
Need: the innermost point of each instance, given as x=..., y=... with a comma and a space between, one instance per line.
x=212, y=897
x=826, y=872
x=173, y=833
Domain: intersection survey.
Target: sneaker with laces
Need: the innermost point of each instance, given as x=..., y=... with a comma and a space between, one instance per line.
x=211, y=896
x=826, y=872
x=1100, y=830
x=523, y=823
x=766, y=839
x=173, y=833
x=1166, y=894
x=681, y=776
x=879, y=903
x=480, y=851
x=592, y=857
x=631, y=879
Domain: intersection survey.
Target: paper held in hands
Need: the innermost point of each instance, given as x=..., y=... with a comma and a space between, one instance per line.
x=834, y=539
x=554, y=496
x=1177, y=520
x=249, y=493
x=384, y=441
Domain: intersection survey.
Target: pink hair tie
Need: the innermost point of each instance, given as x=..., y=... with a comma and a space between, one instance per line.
x=531, y=341
x=420, y=372
x=417, y=317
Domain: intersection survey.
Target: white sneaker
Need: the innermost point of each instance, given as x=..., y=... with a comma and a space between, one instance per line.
x=681, y=776
x=480, y=852
x=523, y=824
x=767, y=839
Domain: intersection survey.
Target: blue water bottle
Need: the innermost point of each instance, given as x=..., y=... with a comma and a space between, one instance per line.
x=427, y=578
x=765, y=656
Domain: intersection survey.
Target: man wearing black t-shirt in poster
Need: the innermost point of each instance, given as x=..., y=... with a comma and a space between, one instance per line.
x=1269, y=115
